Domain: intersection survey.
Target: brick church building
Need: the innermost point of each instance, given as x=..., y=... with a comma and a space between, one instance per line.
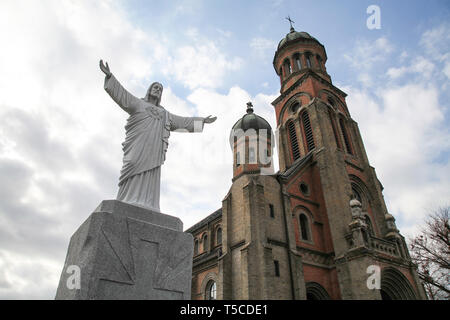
x=319, y=227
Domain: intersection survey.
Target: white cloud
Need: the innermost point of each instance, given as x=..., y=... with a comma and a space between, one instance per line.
x=27, y=278
x=263, y=47
x=395, y=73
x=202, y=65
x=404, y=123
x=436, y=42
x=404, y=133
x=366, y=54
x=419, y=65
x=447, y=69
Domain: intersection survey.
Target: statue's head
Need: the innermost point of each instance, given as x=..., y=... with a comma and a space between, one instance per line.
x=154, y=91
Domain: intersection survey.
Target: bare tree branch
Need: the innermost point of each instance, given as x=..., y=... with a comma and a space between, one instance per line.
x=430, y=250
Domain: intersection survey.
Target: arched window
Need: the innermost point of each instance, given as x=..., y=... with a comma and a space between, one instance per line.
x=345, y=136
x=304, y=227
x=287, y=67
x=308, y=131
x=219, y=236
x=293, y=139
x=205, y=242
x=294, y=107
x=319, y=62
x=315, y=291
x=335, y=132
x=331, y=101
x=395, y=286
x=298, y=61
x=211, y=290
x=356, y=195
x=195, y=247
x=308, y=60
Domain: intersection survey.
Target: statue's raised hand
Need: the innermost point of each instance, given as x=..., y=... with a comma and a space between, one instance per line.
x=209, y=119
x=105, y=69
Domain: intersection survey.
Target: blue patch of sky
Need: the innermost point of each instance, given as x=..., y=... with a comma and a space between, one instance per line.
x=338, y=25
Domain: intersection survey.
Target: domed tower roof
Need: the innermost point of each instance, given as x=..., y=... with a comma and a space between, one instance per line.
x=294, y=35
x=249, y=121
x=300, y=38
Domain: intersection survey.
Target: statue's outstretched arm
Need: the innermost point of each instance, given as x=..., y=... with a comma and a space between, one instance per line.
x=118, y=93
x=189, y=124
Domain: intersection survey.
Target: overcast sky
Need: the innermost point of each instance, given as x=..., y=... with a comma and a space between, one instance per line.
x=61, y=134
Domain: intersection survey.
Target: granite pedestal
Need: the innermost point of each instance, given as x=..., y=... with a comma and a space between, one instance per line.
x=124, y=251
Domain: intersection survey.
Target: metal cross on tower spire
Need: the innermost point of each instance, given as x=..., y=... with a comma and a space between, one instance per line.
x=290, y=22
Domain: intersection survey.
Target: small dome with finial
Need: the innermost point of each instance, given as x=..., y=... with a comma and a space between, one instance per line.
x=250, y=120
x=294, y=35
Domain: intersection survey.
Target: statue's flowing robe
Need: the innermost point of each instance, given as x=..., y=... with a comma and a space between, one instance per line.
x=147, y=138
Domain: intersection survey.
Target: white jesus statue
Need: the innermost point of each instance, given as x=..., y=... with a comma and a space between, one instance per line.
x=147, y=137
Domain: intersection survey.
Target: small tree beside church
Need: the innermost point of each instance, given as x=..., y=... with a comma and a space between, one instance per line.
x=430, y=250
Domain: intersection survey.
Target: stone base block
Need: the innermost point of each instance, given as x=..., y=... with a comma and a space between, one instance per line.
x=124, y=251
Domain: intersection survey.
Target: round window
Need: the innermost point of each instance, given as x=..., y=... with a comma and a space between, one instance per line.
x=295, y=107
x=304, y=188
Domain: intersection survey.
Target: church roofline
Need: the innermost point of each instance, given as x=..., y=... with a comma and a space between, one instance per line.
x=299, y=163
x=205, y=221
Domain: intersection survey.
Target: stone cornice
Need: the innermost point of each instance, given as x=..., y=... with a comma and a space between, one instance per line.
x=301, y=80
x=305, y=200
x=277, y=243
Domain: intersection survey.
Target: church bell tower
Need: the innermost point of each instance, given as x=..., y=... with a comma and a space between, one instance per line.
x=342, y=227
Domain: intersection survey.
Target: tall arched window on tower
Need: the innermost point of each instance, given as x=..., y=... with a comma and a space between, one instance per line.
x=293, y=139
x=308, y=60
x=307, y=130
x=319, y=62
x=304, y=227
x=335, y=132
x=287, y=68
x=348, y=146
x=298, y=61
